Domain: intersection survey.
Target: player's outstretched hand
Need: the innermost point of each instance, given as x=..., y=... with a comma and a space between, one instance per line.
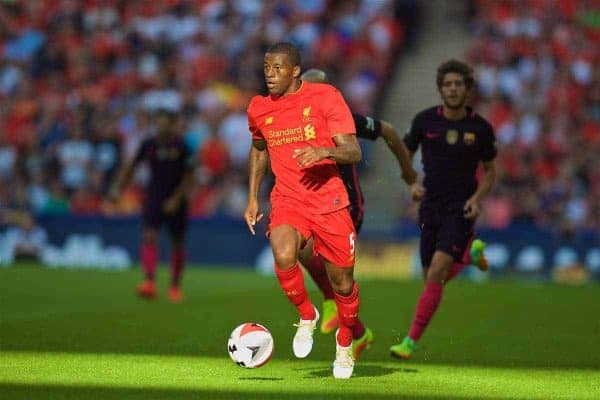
x=410, y=175
x=471, y=209
x=308, y=156
x=417, y=191
x=252, y=216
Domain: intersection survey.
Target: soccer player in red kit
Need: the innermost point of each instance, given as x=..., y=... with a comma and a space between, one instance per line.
x=304, y=129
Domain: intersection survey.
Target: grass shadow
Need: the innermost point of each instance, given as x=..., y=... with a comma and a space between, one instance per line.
x=360, y=371
x=259, y=378
x=54, y=392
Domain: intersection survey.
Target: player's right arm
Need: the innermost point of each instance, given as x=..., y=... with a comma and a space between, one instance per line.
x=411, y=142
x=258, y=161
x=126, y=172
x=398, y=148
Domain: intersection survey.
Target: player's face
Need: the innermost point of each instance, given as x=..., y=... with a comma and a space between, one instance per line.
x=454, y=91
x=163, y=124
x=280, y=75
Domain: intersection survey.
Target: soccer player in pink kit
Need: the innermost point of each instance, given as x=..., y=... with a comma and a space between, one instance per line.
x=304, y=129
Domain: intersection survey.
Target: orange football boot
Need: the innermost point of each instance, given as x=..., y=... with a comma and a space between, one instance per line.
x=147, y=289
x=175, y=294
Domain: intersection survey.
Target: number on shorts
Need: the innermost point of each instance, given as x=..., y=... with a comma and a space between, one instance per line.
x=352, y=238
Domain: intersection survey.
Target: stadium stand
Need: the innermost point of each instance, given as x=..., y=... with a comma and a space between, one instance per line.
x=79, y=81
x=539, y=85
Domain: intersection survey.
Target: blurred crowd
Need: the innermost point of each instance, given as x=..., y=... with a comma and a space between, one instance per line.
x=81, y=79
x=538, y=73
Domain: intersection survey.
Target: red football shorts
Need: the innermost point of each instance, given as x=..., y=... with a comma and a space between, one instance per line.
x=333, y=233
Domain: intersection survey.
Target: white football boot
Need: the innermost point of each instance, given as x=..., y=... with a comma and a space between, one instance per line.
x=344, y=363
x=303, y=340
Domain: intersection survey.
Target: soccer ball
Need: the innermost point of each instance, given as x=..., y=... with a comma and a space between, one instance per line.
x=250, y=345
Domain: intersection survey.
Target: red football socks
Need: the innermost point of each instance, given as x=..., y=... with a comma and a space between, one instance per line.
x=427, y=306
x=318, y=272
x=292, y=283
x=348, y=315
x=177, y=265
x=149, y=259
x=358, y=329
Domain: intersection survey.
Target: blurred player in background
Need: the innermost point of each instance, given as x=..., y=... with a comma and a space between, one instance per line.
x=366, y=128
x=171, y=176
x=304, y=129
x=454, y=140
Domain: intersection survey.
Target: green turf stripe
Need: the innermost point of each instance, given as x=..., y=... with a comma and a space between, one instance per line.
x=164, y=373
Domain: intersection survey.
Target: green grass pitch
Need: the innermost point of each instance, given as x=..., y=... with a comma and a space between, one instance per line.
x=84, y=335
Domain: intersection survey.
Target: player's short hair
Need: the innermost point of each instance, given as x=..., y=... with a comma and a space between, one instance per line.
x=314, y=75
x=287, y=48
x=457, y=67
x=163, y=112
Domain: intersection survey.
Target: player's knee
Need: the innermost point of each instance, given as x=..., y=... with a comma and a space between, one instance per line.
x=439, y=267
x=149, y=236
x=305, y=257
x=285, y=258
x=177, y=242
x=342, y=284
x=437, y=273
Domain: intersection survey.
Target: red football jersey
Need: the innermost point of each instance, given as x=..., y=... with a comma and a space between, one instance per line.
x=309, y=117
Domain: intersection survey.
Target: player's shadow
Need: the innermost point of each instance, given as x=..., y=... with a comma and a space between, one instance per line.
x=312, y=180
x=259, y=378
x=362, y=371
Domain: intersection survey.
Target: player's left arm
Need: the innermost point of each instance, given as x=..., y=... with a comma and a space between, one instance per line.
x=125, y=173
x=370, y=128
x=346, y=151
x=488, y=154
x=472, y=206
x=340, y=125
x=397, y=146
x=185, y=185
x=187, y=181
